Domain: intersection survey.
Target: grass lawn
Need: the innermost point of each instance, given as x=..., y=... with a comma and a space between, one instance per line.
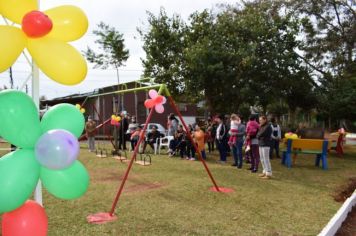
x=171, y=197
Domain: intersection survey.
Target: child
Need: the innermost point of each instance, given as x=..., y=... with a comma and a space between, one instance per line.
x=199, y=140
x=234, y=125
x=135, y=136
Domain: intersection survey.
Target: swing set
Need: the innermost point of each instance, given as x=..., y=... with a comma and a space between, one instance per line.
x=104, y=217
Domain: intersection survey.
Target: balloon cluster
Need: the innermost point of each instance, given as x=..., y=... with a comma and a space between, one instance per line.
x=45, y=35
x=46, y=150
x=115, y=120
x=291, y=135
x=80, y=108
x=156, y=101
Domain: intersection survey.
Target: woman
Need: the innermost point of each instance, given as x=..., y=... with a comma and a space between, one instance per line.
x=173, y=127
x=252, y=127
x=221, y=139
x=237, y=133
x=264, y=142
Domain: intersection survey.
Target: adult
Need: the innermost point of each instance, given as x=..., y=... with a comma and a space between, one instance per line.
x=190, y=152
x=173, y=127
x=221, y=138
x=124, y=125
x=181, y=144
x=152, y=138
x=264, y=142
x=237, y=133
x=276, y=137
x=90, y=129
x=252, y=149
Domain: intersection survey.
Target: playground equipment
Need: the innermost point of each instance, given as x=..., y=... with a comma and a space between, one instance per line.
x=104, y=217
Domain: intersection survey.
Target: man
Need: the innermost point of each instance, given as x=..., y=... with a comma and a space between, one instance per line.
x=152, y=138
x=124, y=125
x=221, y=139
x=276, y=137
x=90, y=128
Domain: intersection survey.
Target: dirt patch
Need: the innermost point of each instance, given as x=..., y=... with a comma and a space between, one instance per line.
x=143, y=187
x=348, y=227
x=345, y=191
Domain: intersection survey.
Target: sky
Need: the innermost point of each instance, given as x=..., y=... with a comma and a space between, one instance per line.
x=125, y=16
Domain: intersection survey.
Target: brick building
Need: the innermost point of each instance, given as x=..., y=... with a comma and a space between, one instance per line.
x=132, y=102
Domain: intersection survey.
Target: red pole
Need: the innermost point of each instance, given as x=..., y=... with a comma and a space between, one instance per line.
x=192, y=141
x=142, y=136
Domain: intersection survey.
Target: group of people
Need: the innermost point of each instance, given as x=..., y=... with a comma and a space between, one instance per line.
x=259, y=137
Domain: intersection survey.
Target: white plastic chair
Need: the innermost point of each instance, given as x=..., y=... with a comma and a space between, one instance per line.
x=163, y=142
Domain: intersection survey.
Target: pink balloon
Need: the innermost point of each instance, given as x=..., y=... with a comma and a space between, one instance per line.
x=164, y=100
x=159, y=108
x=149, y=103
x=153, y=93
x=30, y=219
x=158, y=99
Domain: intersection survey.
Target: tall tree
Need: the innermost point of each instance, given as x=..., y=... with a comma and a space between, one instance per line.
x=329, y=29
x=112, y=54
x=164, y=45
x=112, y=49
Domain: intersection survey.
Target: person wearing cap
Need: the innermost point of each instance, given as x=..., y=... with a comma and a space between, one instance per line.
x=221, y=138
x=90, y=129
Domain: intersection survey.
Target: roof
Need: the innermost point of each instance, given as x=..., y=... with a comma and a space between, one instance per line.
x=82, y=96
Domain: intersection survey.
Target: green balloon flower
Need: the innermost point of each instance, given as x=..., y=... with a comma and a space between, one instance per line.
x=19, y=170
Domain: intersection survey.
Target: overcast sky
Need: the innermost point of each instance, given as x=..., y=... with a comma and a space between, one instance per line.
x=125, y=16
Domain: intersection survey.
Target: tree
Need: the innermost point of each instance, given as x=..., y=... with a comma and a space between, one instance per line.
x=236, y=55
x=328, y=48
x=329, y=29
x=113, y=54
x=164, y=45
x=111, y=44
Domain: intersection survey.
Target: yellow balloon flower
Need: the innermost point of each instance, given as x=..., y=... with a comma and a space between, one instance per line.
x=45, y=35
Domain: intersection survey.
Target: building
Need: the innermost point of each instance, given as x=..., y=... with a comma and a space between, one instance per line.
x=102, y=103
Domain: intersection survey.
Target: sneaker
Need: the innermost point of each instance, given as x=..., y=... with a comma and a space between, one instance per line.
x=262, y=175
x=222, y=162
x=239, y=167
x=234, y=164
x=253, y=171
x=187, y=158
x=192, y=159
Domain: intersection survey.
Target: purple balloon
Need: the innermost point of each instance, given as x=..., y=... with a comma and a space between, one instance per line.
x=57, y=149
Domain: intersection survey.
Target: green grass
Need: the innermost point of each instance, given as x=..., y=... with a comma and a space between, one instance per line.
x=296, y=201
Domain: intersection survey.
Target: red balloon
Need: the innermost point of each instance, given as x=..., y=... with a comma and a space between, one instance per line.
x=149, y=103
x=30, y=219
x=36, y=24
x=159, y=99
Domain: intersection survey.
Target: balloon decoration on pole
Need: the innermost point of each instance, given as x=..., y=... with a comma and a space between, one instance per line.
x=46, y=36
x=30, y=219
x=115, y=120
x=48, y=151
x=156, y=101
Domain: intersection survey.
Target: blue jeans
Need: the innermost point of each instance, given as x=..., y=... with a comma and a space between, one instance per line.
x=221, y=145
x=237, y=153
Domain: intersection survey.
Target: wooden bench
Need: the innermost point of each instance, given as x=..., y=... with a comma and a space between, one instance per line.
x=319, y=147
